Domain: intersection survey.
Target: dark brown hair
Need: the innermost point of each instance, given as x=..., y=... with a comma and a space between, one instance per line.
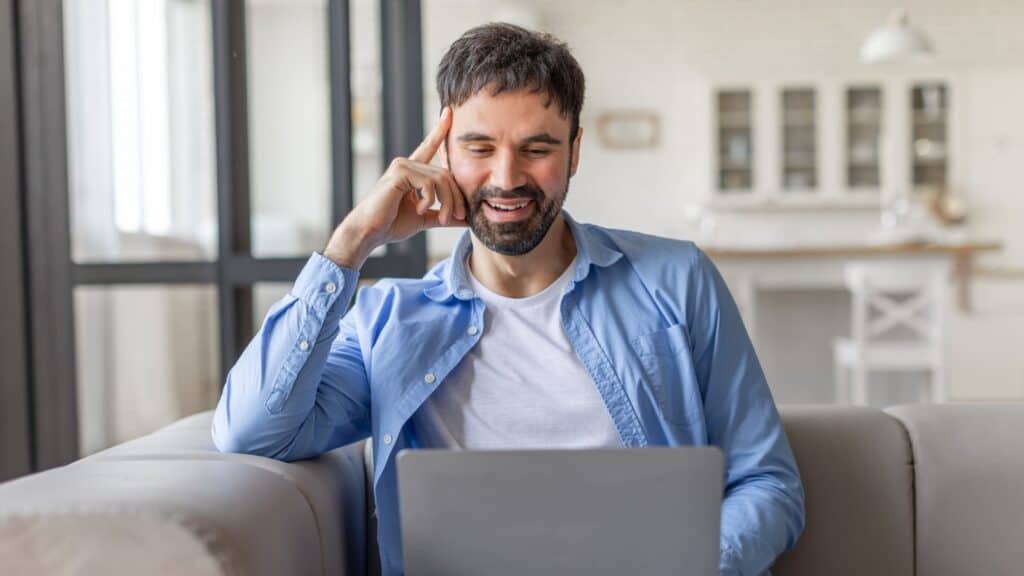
x=506, y=57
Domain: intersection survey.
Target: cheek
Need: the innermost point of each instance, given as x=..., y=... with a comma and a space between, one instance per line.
x=550, y=174
x=469, y=175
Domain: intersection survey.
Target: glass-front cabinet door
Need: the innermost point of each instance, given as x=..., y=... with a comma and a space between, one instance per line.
x=843, y=142
x=799, y=140
x=929, y=140
x=735, y=141
x=863, y=138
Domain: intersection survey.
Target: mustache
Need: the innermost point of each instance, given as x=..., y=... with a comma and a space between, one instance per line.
x=528, y=191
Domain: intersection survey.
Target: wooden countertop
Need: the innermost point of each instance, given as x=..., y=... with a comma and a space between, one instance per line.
x=852, y=250
x=961, y=254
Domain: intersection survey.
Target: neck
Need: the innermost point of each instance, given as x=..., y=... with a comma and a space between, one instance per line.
x=526, y=274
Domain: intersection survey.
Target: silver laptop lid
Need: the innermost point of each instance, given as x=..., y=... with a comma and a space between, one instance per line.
x=598, y=512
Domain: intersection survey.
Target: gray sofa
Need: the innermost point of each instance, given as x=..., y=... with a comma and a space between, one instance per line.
x=935, y=490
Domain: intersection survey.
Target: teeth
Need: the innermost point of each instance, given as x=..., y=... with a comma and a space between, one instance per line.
x=508, y=208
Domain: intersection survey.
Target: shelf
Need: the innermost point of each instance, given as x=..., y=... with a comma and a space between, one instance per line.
x=788, y=201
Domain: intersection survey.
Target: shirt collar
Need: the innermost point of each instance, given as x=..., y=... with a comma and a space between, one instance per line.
x=589, y=250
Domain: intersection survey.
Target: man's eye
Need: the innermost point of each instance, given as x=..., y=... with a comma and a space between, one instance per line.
x=537, y=151
x=479, y=150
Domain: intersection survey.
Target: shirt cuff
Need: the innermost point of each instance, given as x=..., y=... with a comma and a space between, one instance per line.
x=322, y=282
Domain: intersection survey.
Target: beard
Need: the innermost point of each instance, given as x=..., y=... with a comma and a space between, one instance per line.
x=519, y=237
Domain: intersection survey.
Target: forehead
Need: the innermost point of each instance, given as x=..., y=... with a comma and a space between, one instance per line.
x=511, y=114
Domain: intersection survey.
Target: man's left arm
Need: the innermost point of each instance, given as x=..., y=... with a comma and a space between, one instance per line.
x=763, y=506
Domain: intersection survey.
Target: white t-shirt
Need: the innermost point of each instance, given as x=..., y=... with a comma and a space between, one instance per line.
x=521, y=386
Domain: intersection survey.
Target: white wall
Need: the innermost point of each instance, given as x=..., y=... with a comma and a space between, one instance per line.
x=666, y=55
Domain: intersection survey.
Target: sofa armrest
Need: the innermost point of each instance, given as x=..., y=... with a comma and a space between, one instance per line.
x=856, y=467
x=969, y=474
x=253, y=515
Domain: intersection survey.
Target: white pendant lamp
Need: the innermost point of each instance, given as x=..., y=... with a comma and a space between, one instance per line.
x=897, y=41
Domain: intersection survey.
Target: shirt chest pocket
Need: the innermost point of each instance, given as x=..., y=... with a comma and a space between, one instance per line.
x=666, y=359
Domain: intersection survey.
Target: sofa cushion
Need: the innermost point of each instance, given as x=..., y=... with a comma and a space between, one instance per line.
x=856, y=468
x=252, y=521
x=113, y=544
x=332, y=484
x=969, y=476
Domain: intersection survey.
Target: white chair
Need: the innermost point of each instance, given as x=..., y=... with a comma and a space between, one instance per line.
x=898, y=326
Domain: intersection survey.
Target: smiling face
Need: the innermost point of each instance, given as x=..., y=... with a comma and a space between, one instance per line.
x=511, y=156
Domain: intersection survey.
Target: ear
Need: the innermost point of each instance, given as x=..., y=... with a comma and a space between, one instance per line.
x=575, y=152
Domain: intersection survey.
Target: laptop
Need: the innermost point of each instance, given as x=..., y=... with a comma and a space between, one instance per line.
x=597, y=512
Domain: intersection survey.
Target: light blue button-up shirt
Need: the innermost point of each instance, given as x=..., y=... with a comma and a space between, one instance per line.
x=650, y=318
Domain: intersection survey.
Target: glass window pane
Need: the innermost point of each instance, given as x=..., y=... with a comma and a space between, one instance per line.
x=146, y=356
x=264, y=295
x=141, y=163
x=289, y=126
x=367, y=146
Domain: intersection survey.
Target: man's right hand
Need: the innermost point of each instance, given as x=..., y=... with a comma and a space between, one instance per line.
x=400, y=204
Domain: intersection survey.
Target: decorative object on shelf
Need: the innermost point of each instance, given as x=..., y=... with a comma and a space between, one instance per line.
x=629, y=129
x=700, y=222
x=905, y=220
x=897, y=41
x=948, y=207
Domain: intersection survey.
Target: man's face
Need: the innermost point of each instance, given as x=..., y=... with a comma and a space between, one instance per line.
x=512, y=158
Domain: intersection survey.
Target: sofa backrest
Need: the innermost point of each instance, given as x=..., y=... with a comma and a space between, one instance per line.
x=969, y=487
x=856, y=467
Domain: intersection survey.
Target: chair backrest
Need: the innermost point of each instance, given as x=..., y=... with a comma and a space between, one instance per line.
x=902, y=301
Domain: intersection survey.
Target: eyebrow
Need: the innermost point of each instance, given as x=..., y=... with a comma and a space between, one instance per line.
x=539, y=138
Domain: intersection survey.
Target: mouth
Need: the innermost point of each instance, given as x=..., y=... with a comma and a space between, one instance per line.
x=502, y=210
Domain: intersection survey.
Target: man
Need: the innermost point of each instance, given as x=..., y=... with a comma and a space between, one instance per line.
x=536, y=332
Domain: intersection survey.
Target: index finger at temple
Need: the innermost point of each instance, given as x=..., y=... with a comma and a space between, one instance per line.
x=425, y=151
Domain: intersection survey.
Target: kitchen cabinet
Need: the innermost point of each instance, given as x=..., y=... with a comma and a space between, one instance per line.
x=841, y=142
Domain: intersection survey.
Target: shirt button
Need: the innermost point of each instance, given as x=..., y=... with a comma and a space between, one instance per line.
x=330, y=287
x=304, y=345
x=472, y=331
x=429, y=378
x=387, y=438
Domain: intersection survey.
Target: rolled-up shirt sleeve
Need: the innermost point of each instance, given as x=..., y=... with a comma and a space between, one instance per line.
x=300, y=387
x=763, y=506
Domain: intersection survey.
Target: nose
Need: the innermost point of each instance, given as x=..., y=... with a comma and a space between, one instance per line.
x=506, y=174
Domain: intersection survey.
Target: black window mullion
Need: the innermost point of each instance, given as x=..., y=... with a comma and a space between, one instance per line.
x=402, y=88
x=342, y=194
x=51, y=345
x=15, y=425
x=144, y=273
x=231, y=113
